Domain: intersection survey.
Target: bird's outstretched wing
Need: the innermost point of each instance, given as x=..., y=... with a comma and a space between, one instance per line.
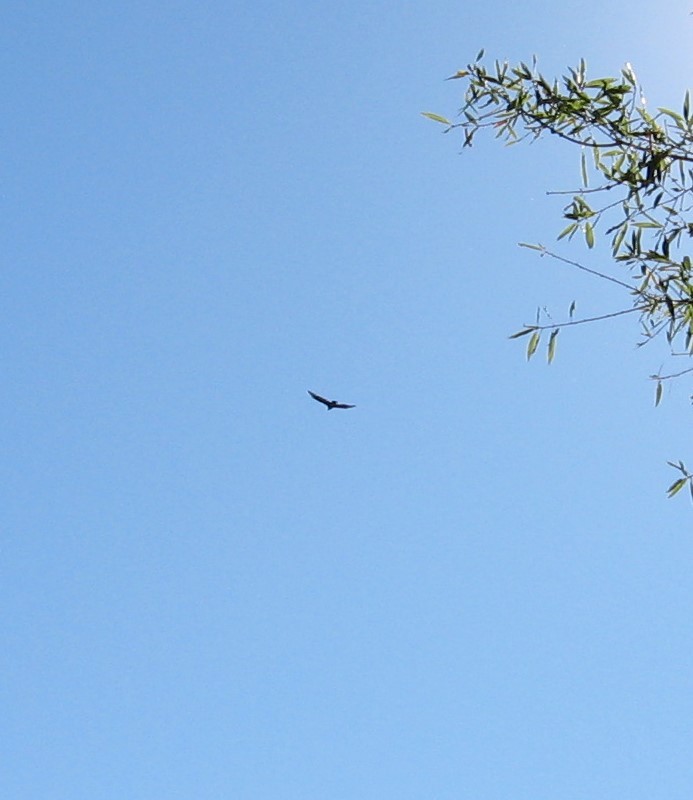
x=343, y=405
x=319, y=399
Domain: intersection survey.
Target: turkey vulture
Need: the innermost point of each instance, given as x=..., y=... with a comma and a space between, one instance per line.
x=329, y=403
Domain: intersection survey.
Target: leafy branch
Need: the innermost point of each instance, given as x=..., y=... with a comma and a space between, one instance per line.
x=679, y=483
x=641, y=202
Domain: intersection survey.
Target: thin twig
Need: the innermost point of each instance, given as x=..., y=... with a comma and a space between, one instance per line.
x=586, y=319
x=595, y=189
x=673, y=375
x=546, y=252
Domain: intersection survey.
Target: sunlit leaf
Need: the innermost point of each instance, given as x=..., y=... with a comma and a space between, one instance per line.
x=589, y=234
x=678, y=119
x=436, y=117
x=533, y=344
x=461, y=73
x=676, y=486
x=569, y=231
x=583, y=165
x=531, y=246
x=597, y=159
x=619, y=237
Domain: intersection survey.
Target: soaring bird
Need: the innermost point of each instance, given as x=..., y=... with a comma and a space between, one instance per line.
x=329, y=403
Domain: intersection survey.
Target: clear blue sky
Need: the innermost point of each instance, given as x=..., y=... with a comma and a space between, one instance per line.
x=469, y=586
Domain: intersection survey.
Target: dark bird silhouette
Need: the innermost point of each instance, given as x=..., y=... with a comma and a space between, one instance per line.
x=329, y=403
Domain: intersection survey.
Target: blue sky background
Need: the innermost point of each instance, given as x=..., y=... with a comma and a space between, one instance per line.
x=471, y=585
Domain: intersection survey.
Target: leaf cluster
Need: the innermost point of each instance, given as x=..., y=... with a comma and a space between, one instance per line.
x=643, y=164
x=636, y=189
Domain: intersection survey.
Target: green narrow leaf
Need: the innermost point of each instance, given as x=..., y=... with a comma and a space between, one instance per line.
x=687, y=105
x=583, y=165
x=599, y=83
x=589, y=234
x=658, y=393
x=676, y=486
x=436, y=117
x=678, y=119
x=597, y=159
x=618, y=238
x=479, y=55
x=538, y=247
x=571, y=310
x=569, y=231
x=636, y=239
x=523, y=332
x=552, y=345
x=461, y=73
x=533, y=344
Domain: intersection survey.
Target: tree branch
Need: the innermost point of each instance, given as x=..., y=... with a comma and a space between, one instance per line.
x=673, y=375
x=546, y=252
x=587, y=319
